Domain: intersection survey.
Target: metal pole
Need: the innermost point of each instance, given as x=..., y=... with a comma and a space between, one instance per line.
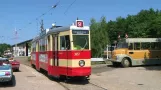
x=107, y=52
x=15, y=42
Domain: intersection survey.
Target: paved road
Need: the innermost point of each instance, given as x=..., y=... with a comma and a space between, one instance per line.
x=29, y=79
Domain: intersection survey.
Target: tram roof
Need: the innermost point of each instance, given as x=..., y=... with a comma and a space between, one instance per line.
x=61, y=29
x=143, y=40
x=66, y=28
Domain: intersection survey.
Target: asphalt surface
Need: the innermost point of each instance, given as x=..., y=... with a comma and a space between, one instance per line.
x=29, y=79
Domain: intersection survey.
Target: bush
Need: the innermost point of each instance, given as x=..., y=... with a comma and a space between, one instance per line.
x=29, y=58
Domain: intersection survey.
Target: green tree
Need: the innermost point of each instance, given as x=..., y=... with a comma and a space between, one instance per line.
x=99, y=36
x=94, y=38
x=4, y=47
x=147, y=23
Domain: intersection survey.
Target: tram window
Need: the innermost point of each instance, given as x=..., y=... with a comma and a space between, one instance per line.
x=80, y=42
x=33, y=47
x=67, y=40
x=39, y=45
x=62, y=43
x=42, y=44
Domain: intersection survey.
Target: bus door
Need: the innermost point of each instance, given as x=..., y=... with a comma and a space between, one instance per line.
x=55, y=49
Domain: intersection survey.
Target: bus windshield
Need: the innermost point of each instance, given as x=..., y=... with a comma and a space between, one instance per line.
x=80, y=42
x=122, y=45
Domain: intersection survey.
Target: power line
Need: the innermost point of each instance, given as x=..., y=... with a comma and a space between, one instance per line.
x=53, y=7
x=69, y=6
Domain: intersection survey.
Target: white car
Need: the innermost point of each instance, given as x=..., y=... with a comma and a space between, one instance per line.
x=6, y=73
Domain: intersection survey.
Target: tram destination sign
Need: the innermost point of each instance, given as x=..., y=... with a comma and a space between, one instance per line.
x=80, y=31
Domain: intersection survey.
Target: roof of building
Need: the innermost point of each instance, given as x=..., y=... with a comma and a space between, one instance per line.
x=23, y=42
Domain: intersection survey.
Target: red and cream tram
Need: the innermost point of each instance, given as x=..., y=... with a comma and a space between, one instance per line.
x=63, y=51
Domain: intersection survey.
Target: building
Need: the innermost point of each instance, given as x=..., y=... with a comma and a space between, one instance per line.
x=22, y=48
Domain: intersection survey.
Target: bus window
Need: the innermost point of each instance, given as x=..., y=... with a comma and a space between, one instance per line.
x=136, y=46
x=156, y=46
x=122, y=45
x=130, y=45
x=145, y=46
x=159, y=45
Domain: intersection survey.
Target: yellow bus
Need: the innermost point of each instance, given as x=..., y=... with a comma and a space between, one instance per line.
x=137, y=51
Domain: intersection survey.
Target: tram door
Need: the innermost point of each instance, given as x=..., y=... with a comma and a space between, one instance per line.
x=37, y=55
x=55, y=49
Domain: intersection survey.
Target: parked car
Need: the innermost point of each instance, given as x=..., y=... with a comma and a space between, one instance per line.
x=15, y=64
x=6, y=73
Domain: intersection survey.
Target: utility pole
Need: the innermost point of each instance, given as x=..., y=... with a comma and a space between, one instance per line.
x=15, y=52
x=42, y=25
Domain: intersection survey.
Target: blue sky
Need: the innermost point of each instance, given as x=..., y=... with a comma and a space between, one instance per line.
x=19, y=13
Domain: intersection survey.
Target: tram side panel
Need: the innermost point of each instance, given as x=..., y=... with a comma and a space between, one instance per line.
x=43, y=60
x=33, y=58
x=64, y=57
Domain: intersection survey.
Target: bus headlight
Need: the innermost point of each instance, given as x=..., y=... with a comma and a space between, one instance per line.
x=81, y=63
x=117, y=57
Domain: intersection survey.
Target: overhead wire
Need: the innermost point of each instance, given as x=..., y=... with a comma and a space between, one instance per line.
x=53, y=7
x=20, y=29
x=43, y=14
x=69, y=6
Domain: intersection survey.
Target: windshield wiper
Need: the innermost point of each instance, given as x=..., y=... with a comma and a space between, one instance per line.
x=84, y=44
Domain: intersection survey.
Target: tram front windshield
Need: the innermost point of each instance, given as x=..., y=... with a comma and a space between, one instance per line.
x=81, y=42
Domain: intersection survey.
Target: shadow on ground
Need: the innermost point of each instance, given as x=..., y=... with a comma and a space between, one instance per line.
x=102, y=68
x=15, y=71
x=151, y=67
x=5, y=84
x=76, y=81
x=147, y=67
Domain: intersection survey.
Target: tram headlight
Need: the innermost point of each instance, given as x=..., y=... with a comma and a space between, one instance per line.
x=81, y=63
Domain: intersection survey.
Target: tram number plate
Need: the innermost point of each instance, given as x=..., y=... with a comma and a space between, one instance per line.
x=80, y=32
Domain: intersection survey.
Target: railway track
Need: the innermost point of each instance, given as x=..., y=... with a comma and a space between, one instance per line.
x=76, y=85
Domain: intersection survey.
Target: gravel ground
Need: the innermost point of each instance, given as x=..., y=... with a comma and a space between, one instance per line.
x=134, y=78
x=106, y=77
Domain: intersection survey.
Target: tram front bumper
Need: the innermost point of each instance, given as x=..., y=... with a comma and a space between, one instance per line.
x=82, y=71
